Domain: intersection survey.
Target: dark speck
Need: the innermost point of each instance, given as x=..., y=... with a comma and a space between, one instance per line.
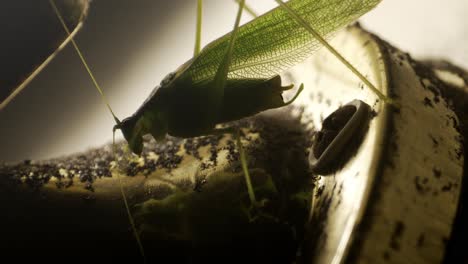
x=89, y=186
x=199, y=182
x=386, y=255
x=435, y=143
x=428, y=102
x=421, y=240
x=320, y=191
x=419, y=184
x=447, y=187
x=455, y=123
x=459, y=153
x=396, y=236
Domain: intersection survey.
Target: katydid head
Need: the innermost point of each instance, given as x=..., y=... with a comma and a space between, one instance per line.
x=150, y=118
x=136, y=126
x=133, y=137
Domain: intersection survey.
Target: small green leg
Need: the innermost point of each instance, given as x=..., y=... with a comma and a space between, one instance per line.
x=198, y=28
x=243, y=159
x=245, y=168
x=295, y=96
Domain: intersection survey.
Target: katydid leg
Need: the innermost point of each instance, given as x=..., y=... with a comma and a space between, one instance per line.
x=198, y=28
x=245, y=168
x=295, y=96
x=235, y=132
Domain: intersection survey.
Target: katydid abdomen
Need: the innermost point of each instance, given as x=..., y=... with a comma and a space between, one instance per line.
x=182, y=111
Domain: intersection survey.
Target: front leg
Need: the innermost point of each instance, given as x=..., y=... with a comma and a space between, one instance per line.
x=243, y=159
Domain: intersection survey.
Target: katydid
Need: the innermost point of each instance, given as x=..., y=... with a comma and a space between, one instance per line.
x=228, y=81
x=237, y=75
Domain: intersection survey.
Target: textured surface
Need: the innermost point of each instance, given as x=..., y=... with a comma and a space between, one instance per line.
x=407, y=170
x=187, y=195
x=415, y=199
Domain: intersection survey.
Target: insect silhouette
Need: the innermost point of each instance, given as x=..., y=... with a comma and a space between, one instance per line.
x=231, y=78
x=237, y=75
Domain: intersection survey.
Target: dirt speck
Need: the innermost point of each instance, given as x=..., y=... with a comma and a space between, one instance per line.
x=397, y=234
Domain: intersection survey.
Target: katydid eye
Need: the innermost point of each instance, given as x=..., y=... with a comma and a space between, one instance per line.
x=168, y=78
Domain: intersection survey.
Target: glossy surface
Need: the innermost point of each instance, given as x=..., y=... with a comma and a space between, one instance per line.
x=407, y=170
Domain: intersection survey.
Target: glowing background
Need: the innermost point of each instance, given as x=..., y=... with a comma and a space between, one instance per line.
x=132, y=45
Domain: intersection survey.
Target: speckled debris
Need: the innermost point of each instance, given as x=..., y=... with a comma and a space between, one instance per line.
x=96, y=163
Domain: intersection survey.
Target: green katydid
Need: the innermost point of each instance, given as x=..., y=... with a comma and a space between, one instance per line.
x=213, y=83
x=193, y=99
x=237, y=75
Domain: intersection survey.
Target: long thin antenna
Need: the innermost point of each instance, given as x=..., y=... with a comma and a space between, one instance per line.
x=325, y=43
x=124, y=197
x=80, y=54
x=248, y=9
x=132, y=221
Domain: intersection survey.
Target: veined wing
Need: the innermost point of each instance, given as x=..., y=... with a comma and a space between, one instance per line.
x=274, y=41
